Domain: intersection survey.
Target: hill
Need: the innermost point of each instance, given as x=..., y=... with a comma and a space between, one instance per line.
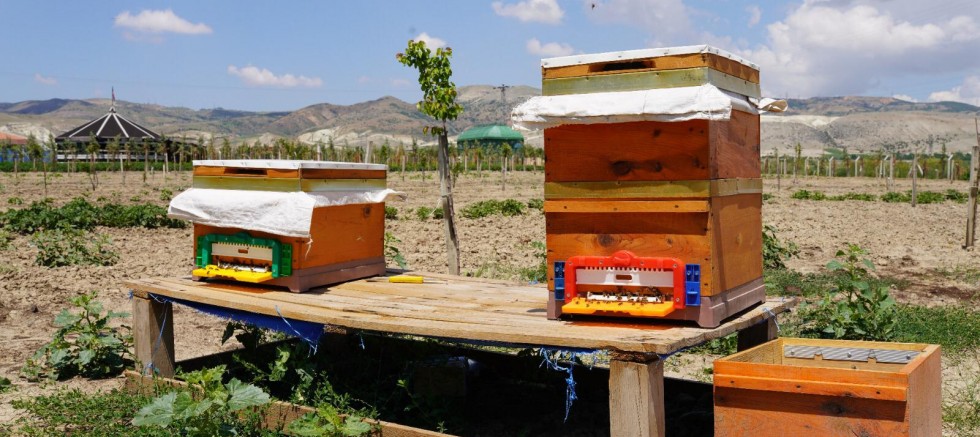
x=857, y=123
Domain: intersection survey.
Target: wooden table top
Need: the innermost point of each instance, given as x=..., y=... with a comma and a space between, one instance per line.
x=463, y=308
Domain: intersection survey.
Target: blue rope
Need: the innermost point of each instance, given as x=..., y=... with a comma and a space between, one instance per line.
x=313, y=344
x=361, y=338
x=554, y=364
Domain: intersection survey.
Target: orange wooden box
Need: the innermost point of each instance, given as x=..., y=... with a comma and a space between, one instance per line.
x=346, y=242
x=762, y=391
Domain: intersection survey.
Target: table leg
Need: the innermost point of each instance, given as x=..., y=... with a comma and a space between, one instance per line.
x=153, y=336
x=757, y=334
x=636, y=395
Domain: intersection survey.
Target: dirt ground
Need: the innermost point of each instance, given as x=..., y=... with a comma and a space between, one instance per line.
x=921, y=245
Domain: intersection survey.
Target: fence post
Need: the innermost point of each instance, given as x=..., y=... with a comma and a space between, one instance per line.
x=971, y=211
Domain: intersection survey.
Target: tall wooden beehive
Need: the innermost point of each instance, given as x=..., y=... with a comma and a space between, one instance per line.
x=679, y=189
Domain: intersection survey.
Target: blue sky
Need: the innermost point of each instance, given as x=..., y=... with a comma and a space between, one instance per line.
x=270, y=56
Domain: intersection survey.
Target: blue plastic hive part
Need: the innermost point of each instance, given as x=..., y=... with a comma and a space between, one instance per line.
x=559, y=281
x=692, y=284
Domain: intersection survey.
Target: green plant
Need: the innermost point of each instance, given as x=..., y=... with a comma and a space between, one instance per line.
x=14, y=200
x=894, y=197
x=767, y=197
x=391, y=213
x=72, y=412
x=864, y=197
x=5, y=385
x=214, y=411
x=483, y=208
x=5, y=239
x=774, y=252
x=511, y=207
x=961, y=406
x=166, y=194
x=943, y=325
x=80, y=214
x=392, y=252
x=956, y=196
x=327, y=421
x=537, y=204
x=57, y=248
x=808, y=195
x=860, y=309
x=539, y=272
x=423, y=212
x=438, y=214
x=83, y=345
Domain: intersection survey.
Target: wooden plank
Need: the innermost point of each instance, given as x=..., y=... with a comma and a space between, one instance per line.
x=670, y=62
x=639, y=206
x=648, y=190
x=323, y=173
x=825, y=388
x=636, y=398
x=735, y=146
x=246, y=172
x=924, y=411
x=286, y=185
x=527, y=327
x=735, y=234
x=646, y=80
x=153, y=336
x=635, y=151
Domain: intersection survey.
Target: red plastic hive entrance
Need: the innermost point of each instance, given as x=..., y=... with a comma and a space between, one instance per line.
x=627, y=284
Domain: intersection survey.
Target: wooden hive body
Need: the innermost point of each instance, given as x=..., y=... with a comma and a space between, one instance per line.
x=345, y=241
x=688, y=190
x=760, y=391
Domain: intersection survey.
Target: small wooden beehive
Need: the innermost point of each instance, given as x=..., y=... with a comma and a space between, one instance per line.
x=795, y=386
x=679, y=186
x=344, y=239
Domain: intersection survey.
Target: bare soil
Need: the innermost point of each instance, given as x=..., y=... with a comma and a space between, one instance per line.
x=921, y=245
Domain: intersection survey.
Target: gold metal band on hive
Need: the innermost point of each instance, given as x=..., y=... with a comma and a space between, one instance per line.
x=646, y=80
x=651, y=189
x=286, y=185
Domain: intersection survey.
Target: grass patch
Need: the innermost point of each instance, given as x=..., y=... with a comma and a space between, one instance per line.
x=72, y=412
x=81, y=214
x=954, y=328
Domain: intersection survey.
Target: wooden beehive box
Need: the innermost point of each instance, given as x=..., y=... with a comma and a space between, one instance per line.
x=689, y=189
x=778, y=389
x=346, y=241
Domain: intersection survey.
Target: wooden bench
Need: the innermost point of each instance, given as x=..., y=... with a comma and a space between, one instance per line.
x=472, y=309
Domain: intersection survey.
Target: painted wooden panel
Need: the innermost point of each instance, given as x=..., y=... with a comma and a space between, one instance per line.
x=672, y=62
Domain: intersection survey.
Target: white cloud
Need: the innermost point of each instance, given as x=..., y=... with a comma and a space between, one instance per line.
x=905, y=97
x=159, y=21
x=44, y=80
x=550, y=49
x=668, y=21
x=431, y=41
x=542, y=11
x=399, y=83
x=849, y=46
x=256, y=76
x=364, y=79
x=967, y=92
x=755, y=14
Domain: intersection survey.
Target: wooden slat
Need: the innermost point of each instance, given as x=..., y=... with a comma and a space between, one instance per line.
x=322, y=173
x=735, y=146
x=246, y=172
x=646, y=80
x=636, y=396
x=670, y=62
x=286, y=184
x=650, y=190
x=640, y=206
x=735, y=229
x=427, y=312
x=827, y=388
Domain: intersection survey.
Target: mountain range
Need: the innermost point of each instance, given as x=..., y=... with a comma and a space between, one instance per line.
x=852, y=122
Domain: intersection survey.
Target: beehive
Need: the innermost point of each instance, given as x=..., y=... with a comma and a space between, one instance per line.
x=655, y=152
x=794, y=386
x=304, y=223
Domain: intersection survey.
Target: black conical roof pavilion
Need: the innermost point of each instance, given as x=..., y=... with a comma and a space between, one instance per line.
x=105, y=128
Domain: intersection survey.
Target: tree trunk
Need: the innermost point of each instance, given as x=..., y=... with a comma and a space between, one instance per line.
x=915, y=178
x=446, y=195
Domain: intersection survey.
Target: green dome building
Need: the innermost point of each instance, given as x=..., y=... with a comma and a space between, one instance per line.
x=491, y=137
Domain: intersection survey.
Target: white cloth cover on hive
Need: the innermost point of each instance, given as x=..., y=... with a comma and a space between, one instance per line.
x=706, y=102
x=281, y=213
